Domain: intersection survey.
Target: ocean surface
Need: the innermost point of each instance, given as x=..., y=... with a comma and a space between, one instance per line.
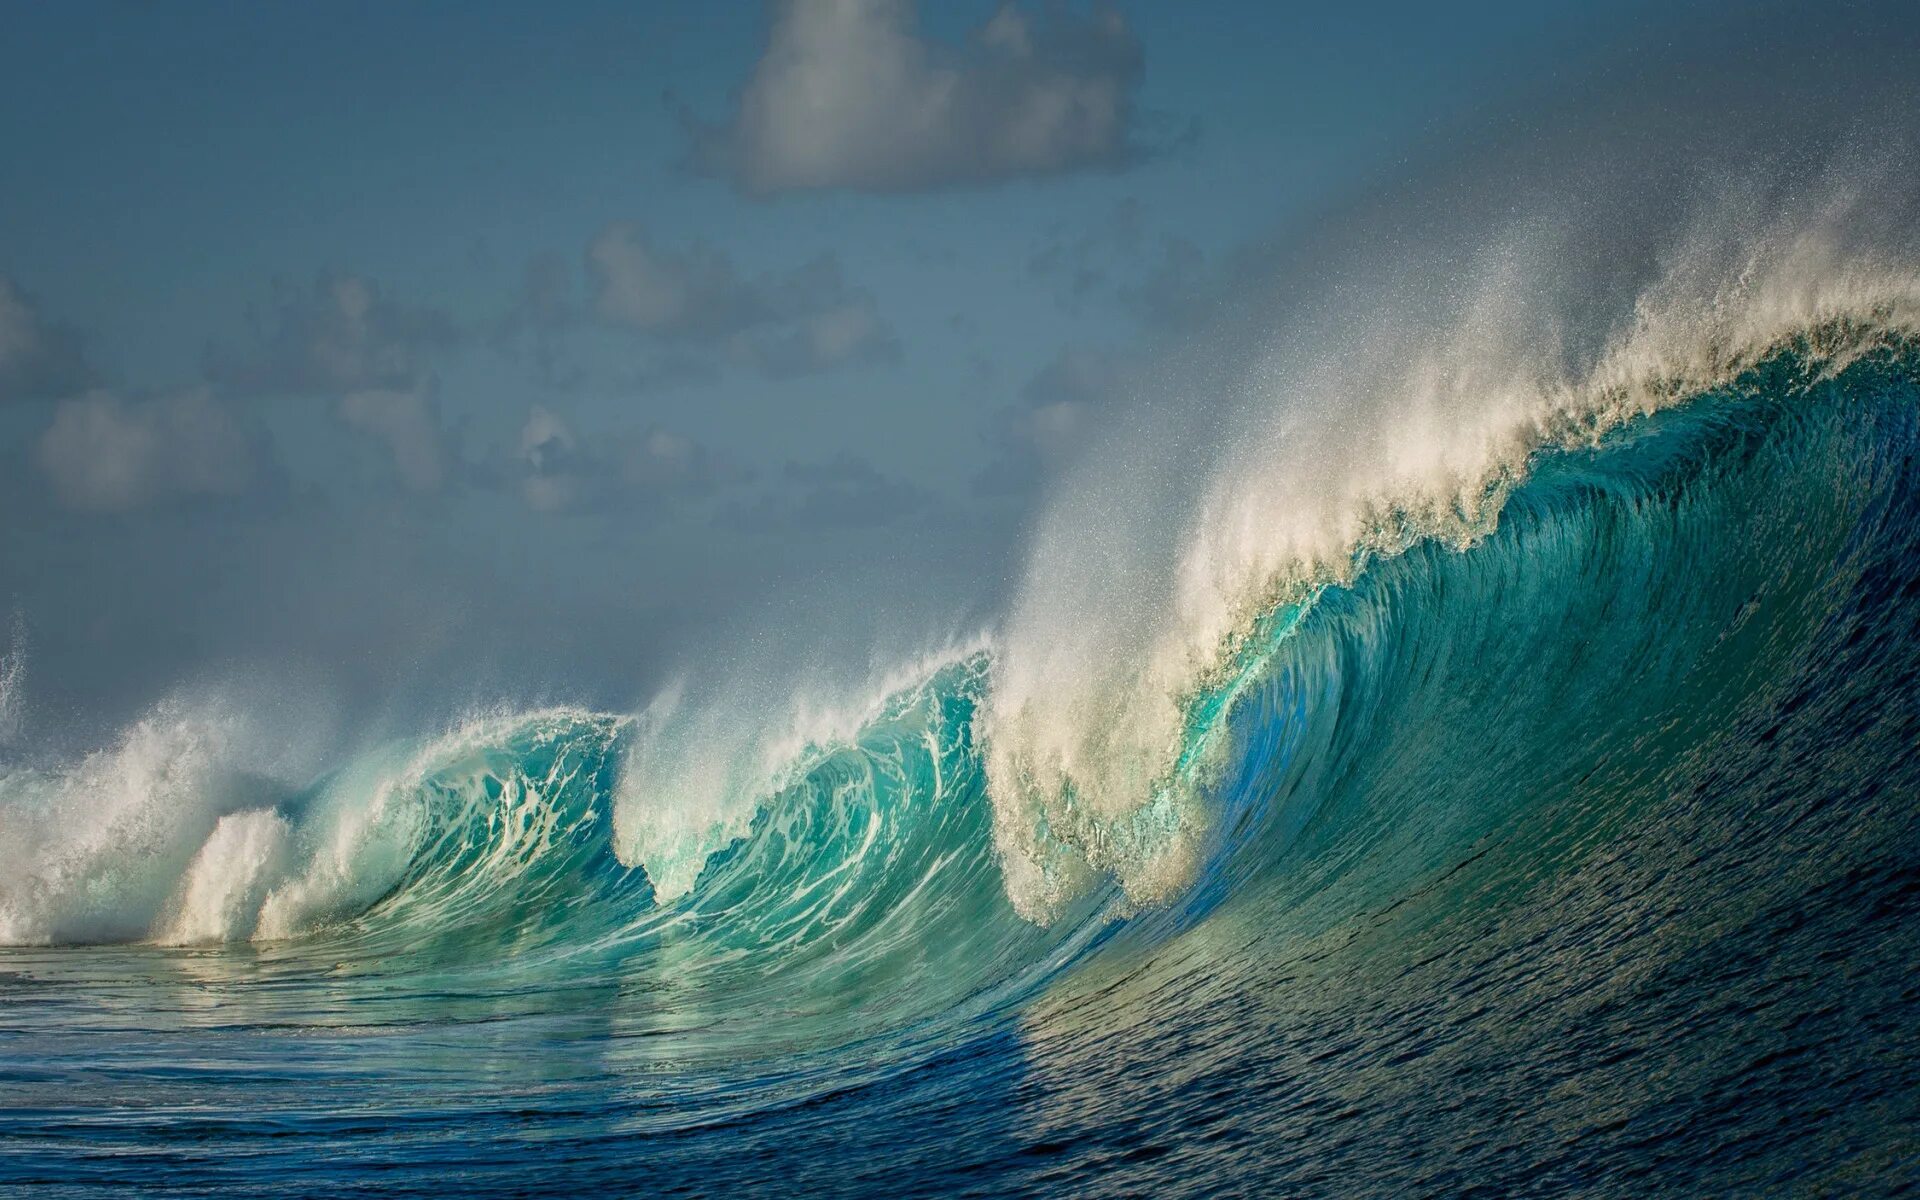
x=1531, y=807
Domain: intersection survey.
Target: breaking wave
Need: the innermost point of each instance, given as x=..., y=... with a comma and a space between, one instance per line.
x=1471, y=632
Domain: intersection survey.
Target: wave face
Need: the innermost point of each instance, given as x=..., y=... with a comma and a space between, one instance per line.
x=1499, y=773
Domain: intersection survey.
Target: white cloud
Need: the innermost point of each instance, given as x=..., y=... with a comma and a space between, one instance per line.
x=795, y=322
x=408, y=422
x=849, y=94
x=694, y=292
x=106, y=454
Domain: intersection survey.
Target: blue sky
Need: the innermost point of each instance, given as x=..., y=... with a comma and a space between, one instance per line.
x=365, y=331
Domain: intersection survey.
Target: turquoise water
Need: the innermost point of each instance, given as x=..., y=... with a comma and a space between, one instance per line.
x=1579, y=858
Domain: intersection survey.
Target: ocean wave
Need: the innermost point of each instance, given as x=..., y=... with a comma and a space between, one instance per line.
x=1365, y=431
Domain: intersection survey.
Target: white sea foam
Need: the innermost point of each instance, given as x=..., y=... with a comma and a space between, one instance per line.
x=92, y=852
x=219, y=898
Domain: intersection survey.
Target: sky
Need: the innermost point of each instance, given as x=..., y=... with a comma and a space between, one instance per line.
x=432, y=354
